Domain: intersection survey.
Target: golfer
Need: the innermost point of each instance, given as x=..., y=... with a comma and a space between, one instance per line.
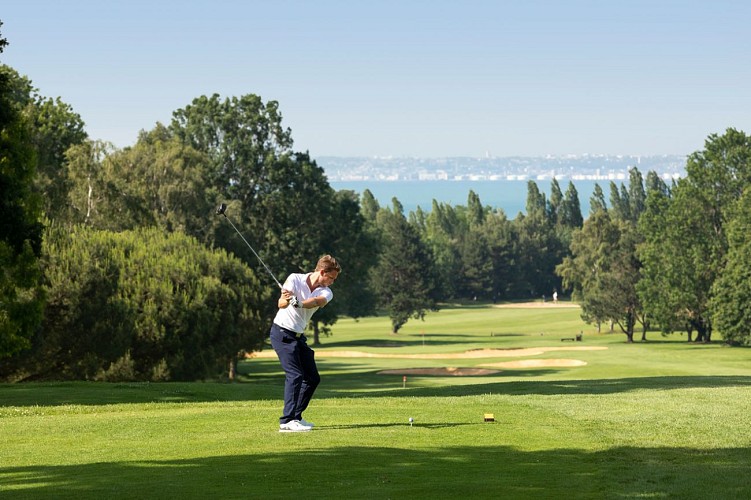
x=302, y=295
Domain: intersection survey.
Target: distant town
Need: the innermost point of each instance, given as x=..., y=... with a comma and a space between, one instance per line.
x=573, y=167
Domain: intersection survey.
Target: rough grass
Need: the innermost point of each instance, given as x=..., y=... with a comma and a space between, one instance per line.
x=662, y=419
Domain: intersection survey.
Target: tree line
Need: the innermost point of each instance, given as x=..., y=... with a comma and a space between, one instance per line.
x=115, y=267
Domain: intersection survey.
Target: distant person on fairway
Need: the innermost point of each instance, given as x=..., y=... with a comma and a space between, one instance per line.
x=302, y=295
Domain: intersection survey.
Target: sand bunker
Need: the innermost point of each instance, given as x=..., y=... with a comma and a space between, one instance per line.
x=538, y=363
x=535, y=305
x=441, y=372
x=473, y=354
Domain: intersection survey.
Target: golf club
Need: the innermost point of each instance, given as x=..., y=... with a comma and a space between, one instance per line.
x=221, y=209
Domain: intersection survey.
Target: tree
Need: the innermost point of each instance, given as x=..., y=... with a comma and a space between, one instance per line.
x=570, y=212
x=475, y=210
x=476, y=265
x=685, y=255
x=637, y=196
x=160, y=182
x=354, y=247
x=443, y=232
x=54, y=127
x=654, y=184
x=20, y=228
x=93, y=197
x=603, y=272
x=402, y=279
x=369, y=207
x=278, y=196
x=475, y=257
x=501, y=236
x=597, y=200
x=538, y=248
x=142, y=305
x=658, y=266
x=555, y=204
x=731, y=293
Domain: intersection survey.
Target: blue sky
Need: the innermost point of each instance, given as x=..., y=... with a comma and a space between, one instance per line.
x=404, y=78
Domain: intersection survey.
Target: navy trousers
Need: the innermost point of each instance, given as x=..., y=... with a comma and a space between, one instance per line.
x=301, y=374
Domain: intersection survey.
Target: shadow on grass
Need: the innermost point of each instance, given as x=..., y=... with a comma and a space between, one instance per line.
x=571, y=387
x=334, y=386
x=396, y=472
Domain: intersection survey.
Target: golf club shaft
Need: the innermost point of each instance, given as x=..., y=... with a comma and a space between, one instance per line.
x=254, y=252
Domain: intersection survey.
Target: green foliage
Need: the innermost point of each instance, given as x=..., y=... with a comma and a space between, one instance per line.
x=686, y=243
x=143, y=305
x=570, y=214
x=20, y=227
x=659, y=263
x=56, y=127
x=93, y=198
x=280, y=197
x=21, y=299
x=538, y=249
x=355, y=248
x=53, y=128
x=403, y=278
x=476, y=266
x=597, y=201
x=603, y=271
x=443, y=231
x=731, y=292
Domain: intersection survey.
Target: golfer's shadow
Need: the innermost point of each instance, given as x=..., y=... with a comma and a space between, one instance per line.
x=394, y=424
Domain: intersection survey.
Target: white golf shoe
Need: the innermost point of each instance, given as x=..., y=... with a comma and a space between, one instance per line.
x=294, y=426
x=306, y=423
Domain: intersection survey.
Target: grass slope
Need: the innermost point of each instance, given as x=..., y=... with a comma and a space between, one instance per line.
x=662, y=419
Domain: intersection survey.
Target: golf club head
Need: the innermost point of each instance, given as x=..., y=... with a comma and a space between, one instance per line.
x=221, y=208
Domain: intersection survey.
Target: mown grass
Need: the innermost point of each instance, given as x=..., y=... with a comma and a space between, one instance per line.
x=661, y=419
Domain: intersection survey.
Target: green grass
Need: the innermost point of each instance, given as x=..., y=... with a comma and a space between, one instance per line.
x=661, y=419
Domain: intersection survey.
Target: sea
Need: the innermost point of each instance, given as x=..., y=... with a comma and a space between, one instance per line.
x=508, y=195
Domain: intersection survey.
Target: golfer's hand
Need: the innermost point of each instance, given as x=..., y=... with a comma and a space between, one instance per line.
x=291, y=299
x=285, y=298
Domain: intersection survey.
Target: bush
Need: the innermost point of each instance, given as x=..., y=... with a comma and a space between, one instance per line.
x=143, y=305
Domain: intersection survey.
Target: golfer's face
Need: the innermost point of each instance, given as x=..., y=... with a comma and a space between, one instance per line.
x=329, y=277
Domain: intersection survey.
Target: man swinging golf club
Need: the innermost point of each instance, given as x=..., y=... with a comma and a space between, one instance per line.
x=302, y=295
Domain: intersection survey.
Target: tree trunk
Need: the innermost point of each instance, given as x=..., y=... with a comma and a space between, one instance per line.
x=316, y=334
x=232, y=371
x=630, y=324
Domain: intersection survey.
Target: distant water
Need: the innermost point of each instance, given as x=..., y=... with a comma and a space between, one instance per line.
x=511, y=196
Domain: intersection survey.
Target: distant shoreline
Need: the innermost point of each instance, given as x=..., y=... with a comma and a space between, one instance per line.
x=509, y=196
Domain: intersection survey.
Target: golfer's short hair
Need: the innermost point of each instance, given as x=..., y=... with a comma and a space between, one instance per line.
x=328, y=263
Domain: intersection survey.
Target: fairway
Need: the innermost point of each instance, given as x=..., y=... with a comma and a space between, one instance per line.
x=596, y=418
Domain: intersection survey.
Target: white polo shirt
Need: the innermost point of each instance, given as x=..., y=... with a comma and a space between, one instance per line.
x=297, y=318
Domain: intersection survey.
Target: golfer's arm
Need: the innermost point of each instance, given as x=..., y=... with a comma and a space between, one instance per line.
x=314, y=302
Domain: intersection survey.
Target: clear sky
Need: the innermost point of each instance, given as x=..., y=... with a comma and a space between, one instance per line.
x=427, y=78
